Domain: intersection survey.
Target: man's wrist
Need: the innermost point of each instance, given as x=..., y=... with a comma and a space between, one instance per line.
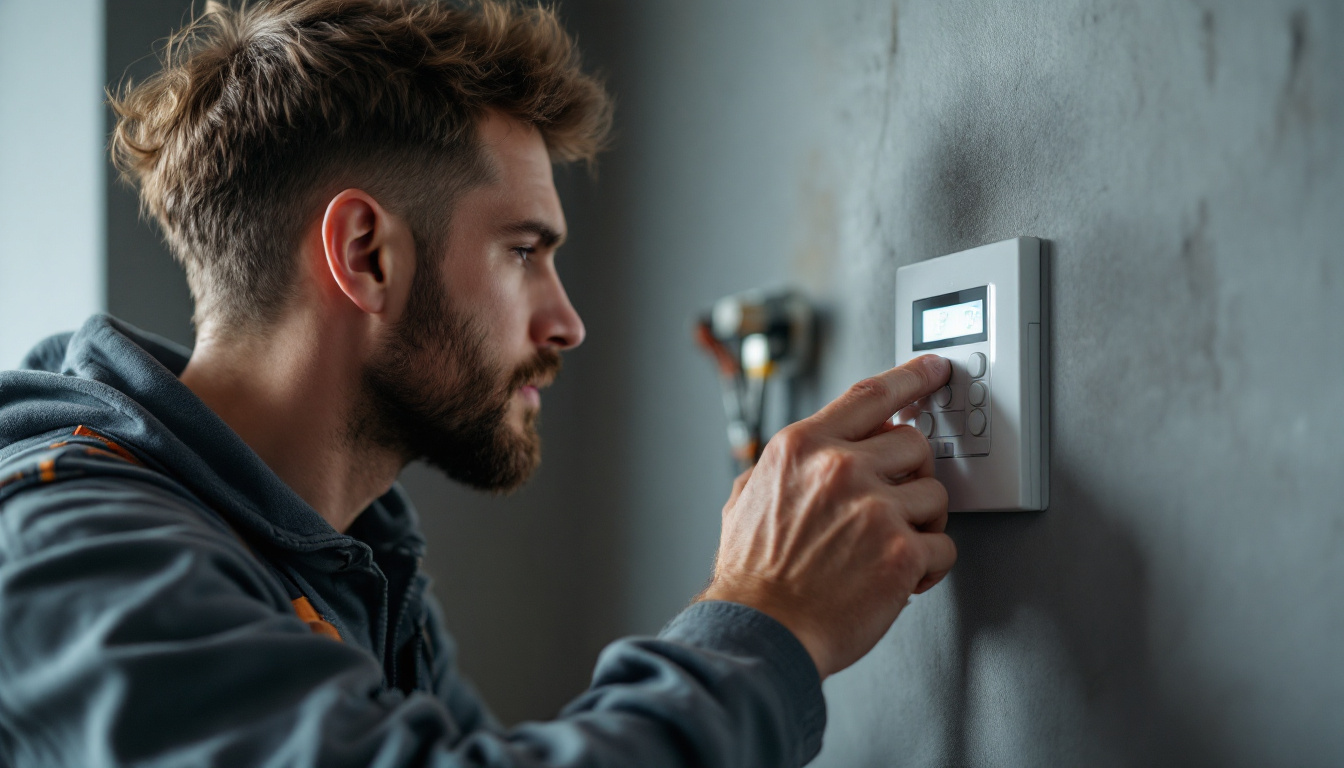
x=785, y=676
x=757, y=600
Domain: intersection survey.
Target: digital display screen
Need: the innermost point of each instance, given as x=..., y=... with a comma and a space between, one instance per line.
x=953, y=318
x=964, y=319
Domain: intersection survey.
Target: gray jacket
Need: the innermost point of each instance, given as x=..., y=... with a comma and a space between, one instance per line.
x=165, y=599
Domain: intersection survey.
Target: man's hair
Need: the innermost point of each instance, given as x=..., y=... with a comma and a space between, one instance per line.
x=260, y=110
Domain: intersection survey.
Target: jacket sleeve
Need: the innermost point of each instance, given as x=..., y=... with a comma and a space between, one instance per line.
x=132, y=631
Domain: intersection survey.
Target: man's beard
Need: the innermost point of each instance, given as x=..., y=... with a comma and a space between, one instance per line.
x=432, y=393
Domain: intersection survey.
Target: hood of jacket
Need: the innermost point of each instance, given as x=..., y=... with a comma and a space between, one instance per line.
x=123, y=383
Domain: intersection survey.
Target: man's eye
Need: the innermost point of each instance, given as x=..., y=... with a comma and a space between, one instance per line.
x=524, y=253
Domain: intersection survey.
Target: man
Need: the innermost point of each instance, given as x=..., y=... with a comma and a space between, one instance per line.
x=203, y=556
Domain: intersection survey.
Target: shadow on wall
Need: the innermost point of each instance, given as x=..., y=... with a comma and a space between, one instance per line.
x=1076, y=566
x=1085, y=573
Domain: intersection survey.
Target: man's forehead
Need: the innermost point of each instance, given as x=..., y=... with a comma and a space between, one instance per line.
x=521, y=193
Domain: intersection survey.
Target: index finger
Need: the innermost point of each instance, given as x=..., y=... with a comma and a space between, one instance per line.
x=868, y=404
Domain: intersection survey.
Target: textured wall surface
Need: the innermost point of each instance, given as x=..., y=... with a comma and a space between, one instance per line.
x=1182, y=600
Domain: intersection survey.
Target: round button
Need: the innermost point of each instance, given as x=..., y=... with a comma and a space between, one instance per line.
x=976, y=365
x=943, y=397
x=976, y=422
x=977, y=393
x=925, y=424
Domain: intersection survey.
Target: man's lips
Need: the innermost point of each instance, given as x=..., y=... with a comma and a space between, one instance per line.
x=538, y=384
x=531, y=393
x=531, y=378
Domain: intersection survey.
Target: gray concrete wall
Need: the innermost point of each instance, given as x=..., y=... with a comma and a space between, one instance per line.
x=1182, y=600
x=144, y=286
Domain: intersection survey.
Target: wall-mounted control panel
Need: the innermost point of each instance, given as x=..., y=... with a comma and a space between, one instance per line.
x=984, y=310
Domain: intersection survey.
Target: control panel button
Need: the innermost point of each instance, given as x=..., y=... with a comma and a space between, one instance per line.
x=978, y=393
x=975, y=365
x=959, y=376
x=972, y=446
x=943, y=397
x=944, y=449
x=976, y=422
x=949, y=423
x=925, y=424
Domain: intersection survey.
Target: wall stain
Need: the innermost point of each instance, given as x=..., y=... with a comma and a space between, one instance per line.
x=1201, y=281
x=1136, y=66
x=964, y=182
x=1297, y=30
x=1209, y=40
x=889, y=92
x=817, y=228
x=1294, y=105
x=894, y=46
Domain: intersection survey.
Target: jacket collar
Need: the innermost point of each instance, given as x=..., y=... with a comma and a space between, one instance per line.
x=124, y=383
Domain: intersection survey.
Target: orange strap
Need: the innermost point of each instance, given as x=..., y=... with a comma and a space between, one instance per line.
x=320, y=626
x=83, y=431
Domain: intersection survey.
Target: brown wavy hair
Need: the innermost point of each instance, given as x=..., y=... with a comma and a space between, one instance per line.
x=261, y=110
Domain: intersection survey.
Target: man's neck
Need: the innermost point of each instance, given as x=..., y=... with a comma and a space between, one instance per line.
x=290, y=397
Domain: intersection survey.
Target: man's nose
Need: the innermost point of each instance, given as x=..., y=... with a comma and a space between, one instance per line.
x=558, y=324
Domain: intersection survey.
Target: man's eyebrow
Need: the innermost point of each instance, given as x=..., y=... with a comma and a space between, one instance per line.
x=545, y=233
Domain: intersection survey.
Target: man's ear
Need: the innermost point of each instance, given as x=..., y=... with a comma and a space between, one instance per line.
x=367, y=251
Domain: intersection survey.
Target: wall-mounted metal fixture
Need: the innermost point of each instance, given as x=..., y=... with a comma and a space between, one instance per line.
x=756, y=337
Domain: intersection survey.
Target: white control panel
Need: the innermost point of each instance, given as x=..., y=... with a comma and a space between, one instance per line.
x=984, y=310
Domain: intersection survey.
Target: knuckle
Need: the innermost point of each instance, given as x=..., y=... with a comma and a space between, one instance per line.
x=917, y=372
x=907, y=433
x=836, y=465
x=792, y=440
x=875, y=511
x=871, y=388
x=912, y=443
x=740, y=482
x=908, y=382
x=906, y=506
x=951, y=548
x=903, y=556
x=923, y=496
x=939, y=492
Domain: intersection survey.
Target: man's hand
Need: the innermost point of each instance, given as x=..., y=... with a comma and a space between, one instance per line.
x=841, y=521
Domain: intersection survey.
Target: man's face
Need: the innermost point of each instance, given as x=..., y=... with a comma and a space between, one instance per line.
x=459, y=382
